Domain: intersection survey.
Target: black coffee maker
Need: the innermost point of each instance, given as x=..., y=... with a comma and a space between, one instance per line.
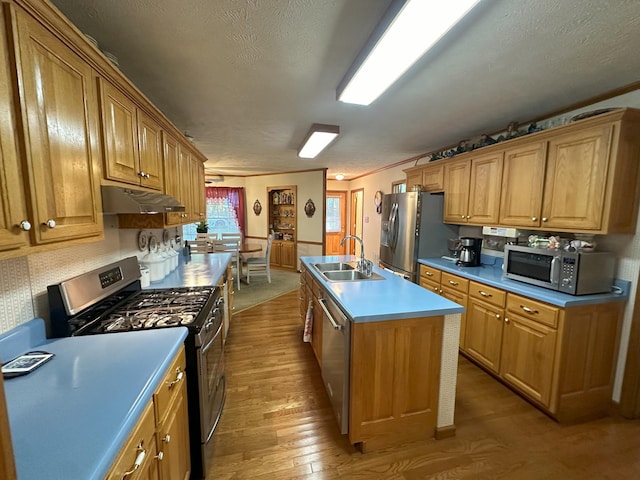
x=470, y=252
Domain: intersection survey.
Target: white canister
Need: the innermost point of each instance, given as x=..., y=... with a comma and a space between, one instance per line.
x=155, y=263
x=173, y=256
x=145, y=276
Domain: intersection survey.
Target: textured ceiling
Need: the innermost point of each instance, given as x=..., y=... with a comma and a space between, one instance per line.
x=247, y=78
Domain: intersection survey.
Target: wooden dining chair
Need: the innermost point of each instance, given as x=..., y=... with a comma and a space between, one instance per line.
x=232, y=246
x=199, y=246
x=260, y=265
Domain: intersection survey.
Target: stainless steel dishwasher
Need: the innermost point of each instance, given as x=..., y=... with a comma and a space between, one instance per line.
x=336, y=338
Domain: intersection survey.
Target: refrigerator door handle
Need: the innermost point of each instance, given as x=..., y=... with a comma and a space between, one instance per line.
x=393, y=226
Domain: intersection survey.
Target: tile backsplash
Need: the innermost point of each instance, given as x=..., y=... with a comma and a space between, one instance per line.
x=24, y=280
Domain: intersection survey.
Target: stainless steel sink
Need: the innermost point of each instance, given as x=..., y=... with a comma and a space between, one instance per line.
x=333, y=266
x=349, y=276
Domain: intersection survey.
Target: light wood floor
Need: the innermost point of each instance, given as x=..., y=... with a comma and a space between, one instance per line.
x=278, y=424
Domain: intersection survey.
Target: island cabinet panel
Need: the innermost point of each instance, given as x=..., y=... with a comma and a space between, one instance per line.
x=395, y=370
x=523, y=185
x=576, y=179
x=60, y=121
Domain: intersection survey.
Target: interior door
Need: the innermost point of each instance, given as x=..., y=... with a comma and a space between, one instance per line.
x=336, y=222
x=355, y=227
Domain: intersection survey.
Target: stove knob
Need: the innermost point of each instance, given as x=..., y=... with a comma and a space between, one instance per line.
x=208, y=326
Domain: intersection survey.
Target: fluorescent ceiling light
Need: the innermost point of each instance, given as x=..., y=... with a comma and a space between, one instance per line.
x=318, y=138
x=417, y=26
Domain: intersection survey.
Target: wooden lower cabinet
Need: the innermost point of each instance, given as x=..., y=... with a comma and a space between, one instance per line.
x=283, y=254
x=483, y=335
x=158, y=447
x=562, y=359
x=395, y=377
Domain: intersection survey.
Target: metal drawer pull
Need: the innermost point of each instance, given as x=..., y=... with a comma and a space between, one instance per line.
x=428, y=274
x=452, y=282
x=485, y=294
x=159, y=456
x=25, y=225
x=51, y=223
x=138, y=462
x=506, y=320
x=528, y=310
x=167, y=438
x=177, y=380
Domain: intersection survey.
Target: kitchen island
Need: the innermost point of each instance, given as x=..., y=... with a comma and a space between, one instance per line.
x=402, y=355
x=72, y=416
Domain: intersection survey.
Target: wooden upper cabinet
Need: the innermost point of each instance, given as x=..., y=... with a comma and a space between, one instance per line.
x=523, y=185
x=12, y=206
x=456, y=186
x=484, y=189
x=150, y=151
x=60, y=116
x=172, y=175
x=472, y=190
x=576, y=179
x=200, y=191
x=433, y=178
x=132, y=140
x=414, y=177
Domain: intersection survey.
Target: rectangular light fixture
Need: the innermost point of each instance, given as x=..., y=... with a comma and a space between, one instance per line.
x=318, y=138
x=414, y=29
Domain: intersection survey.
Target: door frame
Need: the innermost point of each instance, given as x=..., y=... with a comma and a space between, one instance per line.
x=344, y=214
x=354, y=218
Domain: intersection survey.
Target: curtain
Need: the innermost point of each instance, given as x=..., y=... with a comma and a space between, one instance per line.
x=235, y=195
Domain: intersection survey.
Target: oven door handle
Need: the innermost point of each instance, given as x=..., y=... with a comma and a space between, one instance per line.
x=203, y=350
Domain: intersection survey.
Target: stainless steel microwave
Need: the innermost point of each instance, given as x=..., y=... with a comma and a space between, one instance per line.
x=575, y=273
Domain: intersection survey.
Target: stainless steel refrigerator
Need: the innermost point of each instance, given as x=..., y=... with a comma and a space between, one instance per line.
x=412, y=228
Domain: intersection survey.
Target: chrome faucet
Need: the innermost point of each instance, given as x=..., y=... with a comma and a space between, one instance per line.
x=363, y=265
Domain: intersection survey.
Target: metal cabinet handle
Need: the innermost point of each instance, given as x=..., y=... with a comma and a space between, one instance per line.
x=544, y=219
x=159, y=456
x=506, y=320
x=528, y=310
x=139, y=459
x=178, y=379
x=534, y=219
x=453, y=283
x=468, y=216
x=167, y=438
x=485, y=294
x=144, y=175
x=51, y=223
x=462, y=216
x=428, y=274
x=498, y=316
x=25, y=225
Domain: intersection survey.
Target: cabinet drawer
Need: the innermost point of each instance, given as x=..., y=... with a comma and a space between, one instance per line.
x=430, y=274
x=429, y=285
x=454, y=282
x=491, y=295
x=540, y=312
x=141, y=439
x=169, y=387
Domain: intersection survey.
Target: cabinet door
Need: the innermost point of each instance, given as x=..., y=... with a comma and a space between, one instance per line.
x=288, y=255
x=456, y=191
x=199, y=187
x=173, y=441
x=59, y=102
x=575, y=184
x=433, y=178
x=528, y=353
x=12, y=206
x=413, y=179
x=484, y=189
x=276, y=254
x=172, y=176
x=150, y=151
x=186, y=196
x=120, y=135
x=483, y=336
x=522, y=185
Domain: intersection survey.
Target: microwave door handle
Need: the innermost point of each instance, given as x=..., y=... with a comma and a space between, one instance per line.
x=555, y=267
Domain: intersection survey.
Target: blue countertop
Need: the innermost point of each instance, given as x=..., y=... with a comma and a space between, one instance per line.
x=492, y=275
x=196, y=270
x=70, y=418
x=392, y=298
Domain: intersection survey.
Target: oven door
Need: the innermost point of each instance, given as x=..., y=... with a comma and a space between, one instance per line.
x=211, y=381
x=536, y=266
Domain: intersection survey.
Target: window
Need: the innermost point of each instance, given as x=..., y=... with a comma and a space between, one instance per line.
x=225, y=212
x=399, y=187
x=333, y=215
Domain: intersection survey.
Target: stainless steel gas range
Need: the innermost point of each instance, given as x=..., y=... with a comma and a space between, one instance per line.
x=110, y=299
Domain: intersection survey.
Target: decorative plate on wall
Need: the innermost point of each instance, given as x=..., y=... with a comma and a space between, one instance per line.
x=143, y=241
x=257, y=208
x=309, y=208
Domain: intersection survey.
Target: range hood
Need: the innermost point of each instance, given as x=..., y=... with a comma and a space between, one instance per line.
x=128, y=200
